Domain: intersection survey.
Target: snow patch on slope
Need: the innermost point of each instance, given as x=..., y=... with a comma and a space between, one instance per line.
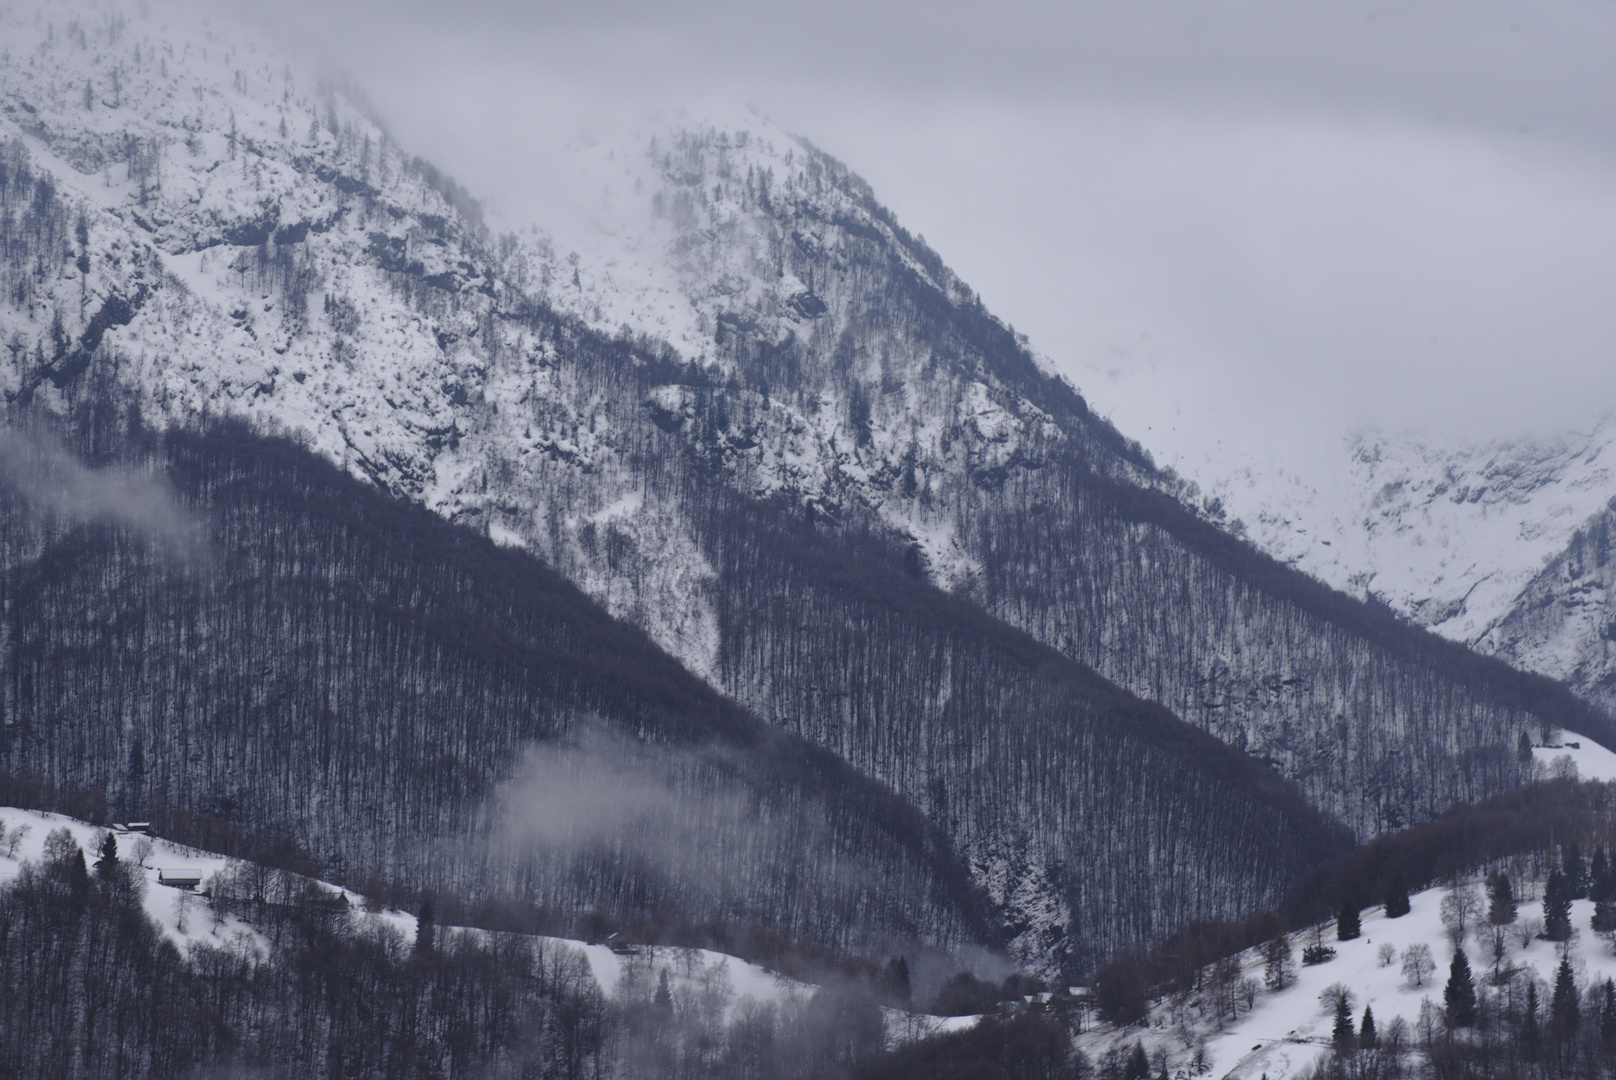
x=1443, y=532
x=1288, y=1032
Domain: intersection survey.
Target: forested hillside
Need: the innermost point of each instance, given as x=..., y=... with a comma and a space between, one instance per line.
x=1564, y=621
x=412, y=702
x=830, y=485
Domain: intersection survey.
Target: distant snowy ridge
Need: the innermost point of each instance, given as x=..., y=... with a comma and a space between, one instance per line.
x=723, y=378
x=1442, y=532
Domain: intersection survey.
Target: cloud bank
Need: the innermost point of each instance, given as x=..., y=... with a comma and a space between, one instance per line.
x=1254, y=220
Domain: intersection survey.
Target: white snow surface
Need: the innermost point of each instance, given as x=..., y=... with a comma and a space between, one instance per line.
x=1446, y=533
x=1289, y=1031
x=183, y=915
x=188, y=919
x=166, y=905
x=1570, y=752
x=660, y=237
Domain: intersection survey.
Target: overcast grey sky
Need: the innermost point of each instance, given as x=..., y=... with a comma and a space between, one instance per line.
x=1219, y=218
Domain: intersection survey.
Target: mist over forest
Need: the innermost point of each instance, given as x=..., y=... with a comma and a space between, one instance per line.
x=664, y=620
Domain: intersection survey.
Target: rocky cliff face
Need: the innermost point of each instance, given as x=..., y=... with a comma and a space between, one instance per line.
x=1492, y=544
x=1443, y=532
x=746, y=412
x=1563, y=622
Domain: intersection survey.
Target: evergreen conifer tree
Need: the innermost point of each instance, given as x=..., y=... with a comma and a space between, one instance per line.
x=895, y=980
x=1366, y=1030
x=1343, y=1034
x=1277, y=970
x=1599, y=879
x=1501, y=894
x=664, y=993
x=1347, y=923
x=107, y=864
x=1138, y=1067
x=1459, y=996
x=78, y=874
x=425, y=927
x=1556, y=908
x=1576, y=873
x=1530, y=1037
x=1396, y=897
x=1564, y=1009
x=1604, y=920
x=1607, y=1015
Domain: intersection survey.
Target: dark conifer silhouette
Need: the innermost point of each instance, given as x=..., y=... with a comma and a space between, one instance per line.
x=426, y=931
x=1530, y=1037
x=1607, y=1016
x=1397, y=904
x=1565, y=1008
x=663, y=999
x=107, y=865
x=1347, y=924
x=1576, y=873
x=1459, y=995
x=1601, y=885
x=1138, y=1066
x=1501, y=900
x=1557, y=907
x=1343, y=1034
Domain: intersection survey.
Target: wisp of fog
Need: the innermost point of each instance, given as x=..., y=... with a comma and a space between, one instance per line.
x=54, y=484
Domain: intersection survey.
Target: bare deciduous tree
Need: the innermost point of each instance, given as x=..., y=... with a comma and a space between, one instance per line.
x=1417, y=964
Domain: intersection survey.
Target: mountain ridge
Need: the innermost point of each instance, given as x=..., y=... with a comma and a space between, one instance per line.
x=821, y=382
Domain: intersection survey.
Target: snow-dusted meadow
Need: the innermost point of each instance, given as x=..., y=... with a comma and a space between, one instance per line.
x=1288, y=1032
x=183, y=915
x=189, y=919
x=1591, y=761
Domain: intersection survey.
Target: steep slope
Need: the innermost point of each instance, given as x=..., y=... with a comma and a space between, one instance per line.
x=1563, y=622
x=311, y=656
x=1443, y=532
x=573, y=443
x=1501, y=545
x=804, y=460
x=923, y=416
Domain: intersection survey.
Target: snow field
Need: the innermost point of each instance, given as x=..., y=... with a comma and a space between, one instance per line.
x=189, y=919
x=1590, y=760
x=183, y=915
x=1286, y=1033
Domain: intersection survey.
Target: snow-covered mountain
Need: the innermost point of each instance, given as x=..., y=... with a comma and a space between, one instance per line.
x=1494, y=544
x=735, y=402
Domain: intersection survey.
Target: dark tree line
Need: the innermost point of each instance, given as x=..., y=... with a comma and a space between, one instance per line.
x=1507, y=1025
x=94, y=988
x=1097, y=819
x=341, y=668
x=982, y=725
x=1523, y=835
x=1076, y=542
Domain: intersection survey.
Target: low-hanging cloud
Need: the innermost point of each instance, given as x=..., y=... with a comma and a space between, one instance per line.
x=53, y=483
x=600, y=819
x=1215, y=220
x=682, y=811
